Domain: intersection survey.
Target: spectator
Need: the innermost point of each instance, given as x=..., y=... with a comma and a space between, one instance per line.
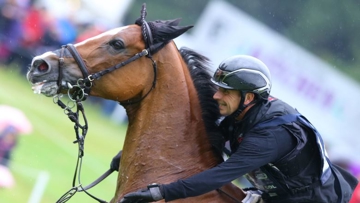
x=13, y=122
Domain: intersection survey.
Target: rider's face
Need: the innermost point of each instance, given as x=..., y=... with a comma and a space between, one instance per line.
x=228, y=100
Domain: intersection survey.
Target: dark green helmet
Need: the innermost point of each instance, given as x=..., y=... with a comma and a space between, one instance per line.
x=244, y=73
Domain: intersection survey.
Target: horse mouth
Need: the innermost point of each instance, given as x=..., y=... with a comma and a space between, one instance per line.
x=47, y=88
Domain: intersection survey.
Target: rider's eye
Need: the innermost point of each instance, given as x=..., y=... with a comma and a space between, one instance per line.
x=223, y=90
x=117, y=44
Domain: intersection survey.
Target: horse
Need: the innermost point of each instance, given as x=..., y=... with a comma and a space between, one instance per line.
x=167, y=95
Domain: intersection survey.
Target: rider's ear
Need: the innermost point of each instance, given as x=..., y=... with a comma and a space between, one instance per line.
x=249, y=97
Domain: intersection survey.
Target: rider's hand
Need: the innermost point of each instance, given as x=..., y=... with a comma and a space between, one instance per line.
x=115, y=162
x=151, y=194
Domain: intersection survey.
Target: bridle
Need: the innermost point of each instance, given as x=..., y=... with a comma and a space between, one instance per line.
x=79, y=92
x=82, y=89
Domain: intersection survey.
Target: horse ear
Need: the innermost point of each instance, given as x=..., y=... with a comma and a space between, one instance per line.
x=173, y=22
x=163, y=31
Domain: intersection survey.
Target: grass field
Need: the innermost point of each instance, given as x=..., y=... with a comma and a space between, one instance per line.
x=49, y=152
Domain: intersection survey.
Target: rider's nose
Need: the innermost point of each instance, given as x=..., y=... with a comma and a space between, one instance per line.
x=217, y=95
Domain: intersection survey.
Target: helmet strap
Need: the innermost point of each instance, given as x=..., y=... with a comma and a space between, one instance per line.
x=242, y=106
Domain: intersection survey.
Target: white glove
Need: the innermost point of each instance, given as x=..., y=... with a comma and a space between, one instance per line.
x=252, y=196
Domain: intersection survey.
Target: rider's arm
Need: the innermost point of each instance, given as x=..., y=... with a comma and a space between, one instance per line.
x=256, y=150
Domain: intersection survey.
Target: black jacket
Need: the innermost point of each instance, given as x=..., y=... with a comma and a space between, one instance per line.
x=283, y=161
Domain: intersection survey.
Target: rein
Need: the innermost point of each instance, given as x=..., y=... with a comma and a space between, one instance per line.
x=79, y=92
x=80, y=140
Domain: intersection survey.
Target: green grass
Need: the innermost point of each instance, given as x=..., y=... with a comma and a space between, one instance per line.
x=49, y=149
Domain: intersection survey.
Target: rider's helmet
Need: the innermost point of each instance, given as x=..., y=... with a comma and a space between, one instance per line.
x=244, y=73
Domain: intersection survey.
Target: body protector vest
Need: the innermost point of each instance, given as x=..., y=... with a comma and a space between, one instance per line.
x=288, y=180
x=343, y=188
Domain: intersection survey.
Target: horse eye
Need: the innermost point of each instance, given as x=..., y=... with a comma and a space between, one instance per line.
x=117, y=44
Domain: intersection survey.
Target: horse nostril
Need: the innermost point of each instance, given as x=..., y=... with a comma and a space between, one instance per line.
x=41, y=65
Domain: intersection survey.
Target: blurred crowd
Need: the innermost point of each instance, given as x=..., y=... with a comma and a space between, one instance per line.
x=28, y=29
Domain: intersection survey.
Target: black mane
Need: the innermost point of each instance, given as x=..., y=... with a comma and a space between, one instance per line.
x=199, y=69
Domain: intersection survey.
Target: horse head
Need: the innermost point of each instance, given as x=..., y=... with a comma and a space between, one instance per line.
x=84, y=63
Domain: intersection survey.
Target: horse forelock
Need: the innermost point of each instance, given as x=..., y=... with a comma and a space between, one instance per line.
x=198, y=66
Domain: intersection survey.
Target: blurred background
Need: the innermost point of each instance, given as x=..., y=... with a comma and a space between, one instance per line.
x=311, y=47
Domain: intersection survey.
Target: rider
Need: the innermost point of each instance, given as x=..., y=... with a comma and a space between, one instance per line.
x=275, y=147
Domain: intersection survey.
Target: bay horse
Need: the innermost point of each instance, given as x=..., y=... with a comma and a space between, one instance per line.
x=167, y=95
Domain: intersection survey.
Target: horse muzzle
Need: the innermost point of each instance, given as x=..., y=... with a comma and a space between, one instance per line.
x=43, y=77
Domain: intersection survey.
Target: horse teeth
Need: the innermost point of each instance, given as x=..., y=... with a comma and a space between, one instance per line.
x=37, y=87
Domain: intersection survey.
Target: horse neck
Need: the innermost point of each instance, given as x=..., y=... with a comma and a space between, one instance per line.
x=166, y=138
